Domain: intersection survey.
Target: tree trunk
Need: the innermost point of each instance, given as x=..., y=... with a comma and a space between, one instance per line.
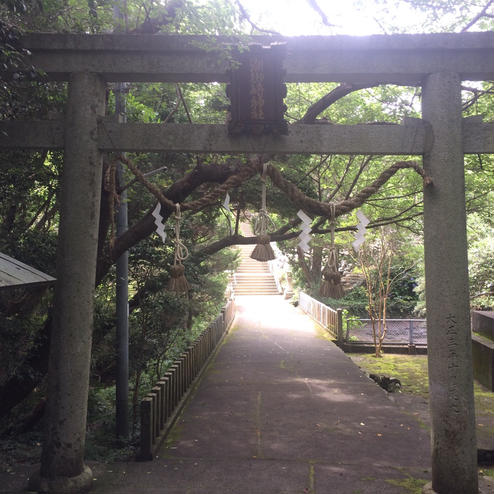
x=304, y=267
x=315, y=270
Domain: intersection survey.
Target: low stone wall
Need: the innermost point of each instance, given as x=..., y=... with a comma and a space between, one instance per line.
x=483, y=347
x=483, y=323
x=483, y=361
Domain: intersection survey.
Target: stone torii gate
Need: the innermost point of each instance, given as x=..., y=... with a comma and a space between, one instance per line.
x=436, y=62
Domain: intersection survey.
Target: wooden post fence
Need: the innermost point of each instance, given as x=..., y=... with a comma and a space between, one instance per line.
x=162, y=405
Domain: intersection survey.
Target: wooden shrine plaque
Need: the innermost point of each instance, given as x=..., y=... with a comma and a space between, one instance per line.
x=257, y=90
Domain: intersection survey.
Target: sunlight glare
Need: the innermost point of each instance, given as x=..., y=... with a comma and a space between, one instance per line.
x=357, y=17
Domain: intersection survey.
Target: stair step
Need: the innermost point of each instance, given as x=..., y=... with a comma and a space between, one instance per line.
x=254, y=281
x=258, y=292
x=262, y=281
x=252, y=277
x=255, y=287
x=254, y=267
x=255, y=294
x=250, y=270
x=257, y=272
x=270, y=287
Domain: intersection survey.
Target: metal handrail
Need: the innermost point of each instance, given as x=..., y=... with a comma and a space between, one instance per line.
x=331, y=319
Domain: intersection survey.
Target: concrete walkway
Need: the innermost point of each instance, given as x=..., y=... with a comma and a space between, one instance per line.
x=281, y=410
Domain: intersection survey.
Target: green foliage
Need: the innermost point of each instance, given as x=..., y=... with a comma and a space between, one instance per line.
x=402, y=296
x=481, y=270
x=426, y=16
x=22, y=315
x=480, y=253
x=354, y=302
x=101, y=443
x=404, y=273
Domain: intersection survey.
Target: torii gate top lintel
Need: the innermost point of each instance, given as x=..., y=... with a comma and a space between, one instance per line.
x=381, y=59
x=401, y=58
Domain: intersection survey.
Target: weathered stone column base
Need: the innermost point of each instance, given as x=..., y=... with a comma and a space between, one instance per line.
x=62, y=485
x=486, y=486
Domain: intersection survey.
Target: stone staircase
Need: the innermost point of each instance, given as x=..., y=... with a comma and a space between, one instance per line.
x=352, y=280
x=253, y=277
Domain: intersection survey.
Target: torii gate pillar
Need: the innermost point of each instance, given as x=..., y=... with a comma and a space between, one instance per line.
x=62, y=460
x=449, y=340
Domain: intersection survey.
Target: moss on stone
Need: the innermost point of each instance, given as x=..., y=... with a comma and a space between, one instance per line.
x=484, y=400
x=483, y=336
x=487, y=471
x=172, y=437
x=409, y=484
x=413, y=374
x=322, y=333
x=410, y=369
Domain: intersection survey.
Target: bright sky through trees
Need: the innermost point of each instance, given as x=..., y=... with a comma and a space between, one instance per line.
x=353, y=17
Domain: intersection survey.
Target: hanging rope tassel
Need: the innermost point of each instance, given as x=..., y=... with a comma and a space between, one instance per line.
x=331, y=284
x=178, y=283
x=263, y=250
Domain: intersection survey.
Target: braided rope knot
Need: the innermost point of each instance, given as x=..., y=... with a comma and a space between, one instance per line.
x=263, y=239
x=263, y=250
x=262, y=222
x=181, y=251
x=178, y=283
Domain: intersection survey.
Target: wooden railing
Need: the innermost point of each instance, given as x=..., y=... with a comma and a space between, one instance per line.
x=326, y=316
x=162, y=405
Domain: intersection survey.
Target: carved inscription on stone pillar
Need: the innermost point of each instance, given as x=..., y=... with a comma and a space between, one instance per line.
x=453, y=365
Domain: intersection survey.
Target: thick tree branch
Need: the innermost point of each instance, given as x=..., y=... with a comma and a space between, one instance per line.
x=240, y=240
x=477, y=94
x=376, y=223
x=152, y=26
x=324, y=209
x=245, y=16
x=327, y=100
x=178, y=192
x=229, y=178
x=377, y=200
x=317, y=207
x=361, y=169
x=314, y=5
x=482, y=13
x=339, y=182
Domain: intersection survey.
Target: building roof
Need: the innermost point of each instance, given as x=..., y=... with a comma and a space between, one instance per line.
x=14, y=273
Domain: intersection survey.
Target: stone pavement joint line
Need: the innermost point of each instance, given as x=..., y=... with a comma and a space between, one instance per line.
x=282, y=410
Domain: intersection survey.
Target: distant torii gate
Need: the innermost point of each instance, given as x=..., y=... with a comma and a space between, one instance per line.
x=437, y=62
